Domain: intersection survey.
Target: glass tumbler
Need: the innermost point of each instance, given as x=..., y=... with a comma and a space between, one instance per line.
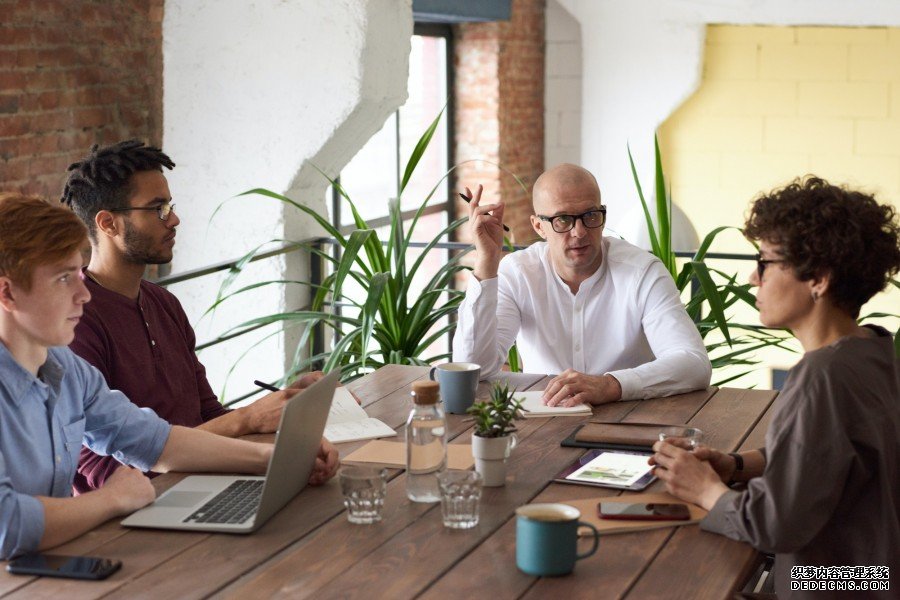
x=364, y=490
x=460, y=496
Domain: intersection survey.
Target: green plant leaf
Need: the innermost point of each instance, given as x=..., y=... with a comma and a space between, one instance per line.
x=337, y=353
x=515, y=363
x=253, y=286
x=663, y=210
x=357, y=240
x=322, y=221
x=654, y=240
x=713, y=297
x=369, y=312
x=419, y=150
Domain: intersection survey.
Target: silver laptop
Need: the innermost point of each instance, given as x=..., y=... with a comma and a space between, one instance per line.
x=241, y=504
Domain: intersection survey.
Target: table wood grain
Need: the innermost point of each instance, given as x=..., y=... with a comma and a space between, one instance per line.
x=309, y=549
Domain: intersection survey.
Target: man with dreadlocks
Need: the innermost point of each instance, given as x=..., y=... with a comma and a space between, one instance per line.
x=136, y=333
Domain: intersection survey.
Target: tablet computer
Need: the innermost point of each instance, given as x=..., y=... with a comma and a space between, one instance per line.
x=610, y=468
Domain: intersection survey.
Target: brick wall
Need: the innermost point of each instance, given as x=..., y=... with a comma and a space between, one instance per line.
x=74, y=73
x=500, y=109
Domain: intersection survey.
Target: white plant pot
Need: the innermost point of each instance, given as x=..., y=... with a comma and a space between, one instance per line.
x=490, y=457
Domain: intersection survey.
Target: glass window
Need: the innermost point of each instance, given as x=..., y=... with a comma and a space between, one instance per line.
x=373, y=176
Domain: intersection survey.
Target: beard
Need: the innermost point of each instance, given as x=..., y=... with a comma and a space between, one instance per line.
x=139, y=249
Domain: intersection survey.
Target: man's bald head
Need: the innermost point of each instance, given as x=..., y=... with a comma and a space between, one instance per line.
x=562, y=181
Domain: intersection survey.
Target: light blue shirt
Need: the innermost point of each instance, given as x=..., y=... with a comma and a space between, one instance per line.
x=43, y=422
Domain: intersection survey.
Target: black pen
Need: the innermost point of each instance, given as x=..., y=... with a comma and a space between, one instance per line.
x=266, y=386
x=467, y=199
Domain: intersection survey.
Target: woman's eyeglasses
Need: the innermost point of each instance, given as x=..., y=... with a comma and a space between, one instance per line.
x=762, y=263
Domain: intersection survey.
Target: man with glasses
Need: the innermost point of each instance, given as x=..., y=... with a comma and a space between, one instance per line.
x=136, y=333
x=602, y=313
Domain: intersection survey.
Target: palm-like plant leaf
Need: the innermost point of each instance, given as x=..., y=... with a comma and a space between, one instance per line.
x=384, y=319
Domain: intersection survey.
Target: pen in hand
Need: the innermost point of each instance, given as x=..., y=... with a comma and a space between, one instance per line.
x=467, y=199
x=266, y=386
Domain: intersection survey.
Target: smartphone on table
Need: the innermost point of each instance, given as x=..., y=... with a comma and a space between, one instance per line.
x=640, y=511
x=71, y=567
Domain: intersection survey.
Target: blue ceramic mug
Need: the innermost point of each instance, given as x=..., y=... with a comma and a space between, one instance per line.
x=546, y=539
x=459, y=382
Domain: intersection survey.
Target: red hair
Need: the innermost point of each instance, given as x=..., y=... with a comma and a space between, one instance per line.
x=34, y=233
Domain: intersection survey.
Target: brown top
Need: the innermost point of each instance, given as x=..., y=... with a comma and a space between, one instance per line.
x=425, y=392
x=830, y=492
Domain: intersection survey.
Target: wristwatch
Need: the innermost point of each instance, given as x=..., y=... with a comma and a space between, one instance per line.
x=738, y=465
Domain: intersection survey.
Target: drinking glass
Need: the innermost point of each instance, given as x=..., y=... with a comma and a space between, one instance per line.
x=692, y=435
x=364, y=489
x=460, y=496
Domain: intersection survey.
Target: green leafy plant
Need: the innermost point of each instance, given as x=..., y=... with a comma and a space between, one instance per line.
x=715, y=291
x=392, y=323
x=496, y=418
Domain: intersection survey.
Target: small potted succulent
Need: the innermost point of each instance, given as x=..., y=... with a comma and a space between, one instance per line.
x=494, y=433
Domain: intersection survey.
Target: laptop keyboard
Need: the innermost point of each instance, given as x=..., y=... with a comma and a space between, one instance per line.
x=234, y=504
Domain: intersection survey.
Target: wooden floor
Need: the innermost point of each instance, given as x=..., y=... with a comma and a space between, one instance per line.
x=310, y=550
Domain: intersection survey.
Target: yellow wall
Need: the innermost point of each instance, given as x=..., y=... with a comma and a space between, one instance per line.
x=778, y=102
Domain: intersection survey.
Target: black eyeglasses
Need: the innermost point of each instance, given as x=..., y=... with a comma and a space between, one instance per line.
x=162, y=211
x=563, y=223
x=762, y=263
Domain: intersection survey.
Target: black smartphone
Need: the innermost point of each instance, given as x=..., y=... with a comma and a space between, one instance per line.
x=643, y=512
x=71, y=567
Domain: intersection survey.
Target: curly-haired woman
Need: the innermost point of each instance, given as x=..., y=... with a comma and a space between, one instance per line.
x=825, y=489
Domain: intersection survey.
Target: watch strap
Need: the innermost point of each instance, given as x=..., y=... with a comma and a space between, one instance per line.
x=738, y=464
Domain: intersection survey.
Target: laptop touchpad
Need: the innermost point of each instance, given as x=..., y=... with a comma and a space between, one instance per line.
x=181, y=499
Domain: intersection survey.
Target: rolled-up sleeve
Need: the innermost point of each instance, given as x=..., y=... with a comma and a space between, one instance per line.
x=116, y=427
x=21, y=518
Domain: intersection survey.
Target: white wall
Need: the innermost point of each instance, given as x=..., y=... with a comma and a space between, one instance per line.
x=562, y=87
x=641, y=59
x=252, y=91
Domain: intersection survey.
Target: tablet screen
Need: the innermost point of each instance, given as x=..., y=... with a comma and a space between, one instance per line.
x=614, y=469
x=623, y=470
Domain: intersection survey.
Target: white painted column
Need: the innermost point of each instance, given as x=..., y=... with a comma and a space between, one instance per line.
x=253, y=93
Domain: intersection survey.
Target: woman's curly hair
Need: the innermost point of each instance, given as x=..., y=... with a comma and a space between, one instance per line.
x=825, y=229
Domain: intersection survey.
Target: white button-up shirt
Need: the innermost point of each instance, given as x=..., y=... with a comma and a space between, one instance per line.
x=626, y=321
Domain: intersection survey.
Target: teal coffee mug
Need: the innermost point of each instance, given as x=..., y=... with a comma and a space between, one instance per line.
x=459, y=382
x=546, y=539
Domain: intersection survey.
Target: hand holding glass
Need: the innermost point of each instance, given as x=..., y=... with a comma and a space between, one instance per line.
x=690, y=438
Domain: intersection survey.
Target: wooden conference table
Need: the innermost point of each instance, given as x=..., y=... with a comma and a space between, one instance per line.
x=309, y=549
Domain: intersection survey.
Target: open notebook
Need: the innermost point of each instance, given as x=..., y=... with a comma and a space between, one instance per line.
x=532, y=407
x=348, y=422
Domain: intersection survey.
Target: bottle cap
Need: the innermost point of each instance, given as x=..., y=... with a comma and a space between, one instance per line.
x=425, y=392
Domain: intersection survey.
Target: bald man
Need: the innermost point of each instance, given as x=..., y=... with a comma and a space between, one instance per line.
x=601, y=313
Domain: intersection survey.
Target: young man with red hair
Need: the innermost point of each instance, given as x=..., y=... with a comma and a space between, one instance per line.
x=52, y=401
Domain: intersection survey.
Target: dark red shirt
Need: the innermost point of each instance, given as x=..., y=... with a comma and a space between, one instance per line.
x=145, y=348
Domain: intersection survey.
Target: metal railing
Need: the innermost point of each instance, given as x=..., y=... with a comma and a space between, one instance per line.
x=317, y=271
